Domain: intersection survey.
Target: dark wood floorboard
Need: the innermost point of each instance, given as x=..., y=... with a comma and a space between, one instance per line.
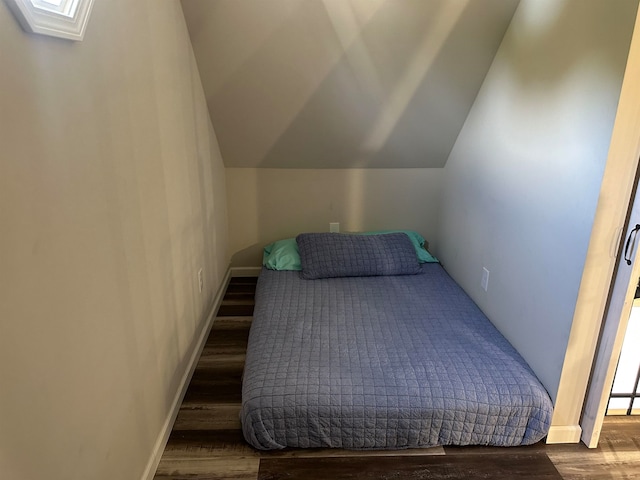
x=206, y=442
x=235, y=309
x=525, y=466
x=238, y=299
x=617, y=456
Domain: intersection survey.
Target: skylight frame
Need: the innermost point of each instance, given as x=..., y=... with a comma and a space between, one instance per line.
x=63, y=19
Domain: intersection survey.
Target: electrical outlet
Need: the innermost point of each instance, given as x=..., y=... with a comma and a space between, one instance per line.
x=334, y=227
x=200, y=280
x=484, y=283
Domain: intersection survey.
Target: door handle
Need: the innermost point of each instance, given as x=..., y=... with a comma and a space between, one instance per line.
x=633, y=234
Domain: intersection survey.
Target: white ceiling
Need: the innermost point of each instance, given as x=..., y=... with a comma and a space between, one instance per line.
x=342, y=83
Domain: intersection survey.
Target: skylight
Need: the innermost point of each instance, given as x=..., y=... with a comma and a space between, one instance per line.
x=60, y=7
x=58, y=18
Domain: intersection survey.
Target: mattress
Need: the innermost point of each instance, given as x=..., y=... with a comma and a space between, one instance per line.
x=388, y=362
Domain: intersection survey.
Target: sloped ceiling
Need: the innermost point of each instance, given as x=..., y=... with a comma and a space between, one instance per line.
x=342, y=83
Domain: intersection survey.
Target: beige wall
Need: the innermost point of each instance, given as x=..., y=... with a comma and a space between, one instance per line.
x=342, y=83
x=270, y=204
x=112, y=196
x=522, y=182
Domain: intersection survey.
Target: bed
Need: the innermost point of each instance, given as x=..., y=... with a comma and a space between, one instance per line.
x=382, y=361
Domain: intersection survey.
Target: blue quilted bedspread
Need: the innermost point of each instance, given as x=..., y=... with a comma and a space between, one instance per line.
x=383, y=363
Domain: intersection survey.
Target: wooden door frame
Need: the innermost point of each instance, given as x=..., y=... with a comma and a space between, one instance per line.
x=615, y=322
x=613, y=204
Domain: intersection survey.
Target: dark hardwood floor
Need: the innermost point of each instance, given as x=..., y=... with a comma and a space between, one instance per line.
x=207, y=443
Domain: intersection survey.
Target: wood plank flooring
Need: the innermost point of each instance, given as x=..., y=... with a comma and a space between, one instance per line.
x=207, y=443
x=533, y=466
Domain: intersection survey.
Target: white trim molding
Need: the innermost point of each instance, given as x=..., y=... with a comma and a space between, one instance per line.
x=57, y=18
x=564, y=434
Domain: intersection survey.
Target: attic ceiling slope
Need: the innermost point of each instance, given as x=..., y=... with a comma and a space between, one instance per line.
x=342, y=83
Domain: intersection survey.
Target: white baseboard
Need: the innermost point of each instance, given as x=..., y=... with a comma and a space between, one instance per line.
x=245, y=271
x=564, y=434
x=163, y=437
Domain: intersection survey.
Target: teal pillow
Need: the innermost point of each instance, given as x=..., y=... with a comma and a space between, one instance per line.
x=282, y=255
x=418, y=243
